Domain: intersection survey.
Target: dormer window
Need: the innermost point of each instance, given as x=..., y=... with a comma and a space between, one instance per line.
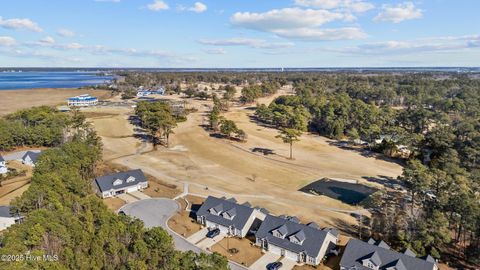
x=373, y=261
x=130, y=179
x=298, y=237
x=117, y=182
x=280, y=232
x=230, y=214
x=217, y=210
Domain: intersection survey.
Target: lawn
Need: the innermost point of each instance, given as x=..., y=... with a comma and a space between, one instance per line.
x=247, y=253
x=114, y=203
x=158, y=189
x=183, y=222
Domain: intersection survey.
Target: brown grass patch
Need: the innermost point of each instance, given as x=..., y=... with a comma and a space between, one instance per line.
x=114, y=203
x=159, y=189
x=247, y=253
x=195, y=199
x=15, y=187
x=182, y=223
x=13, y=100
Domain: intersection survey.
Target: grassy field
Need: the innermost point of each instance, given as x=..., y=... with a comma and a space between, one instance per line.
x=222, y=167
x=13, y=100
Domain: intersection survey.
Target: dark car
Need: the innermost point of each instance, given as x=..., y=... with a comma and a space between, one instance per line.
x=213, y=233
x=274, y=266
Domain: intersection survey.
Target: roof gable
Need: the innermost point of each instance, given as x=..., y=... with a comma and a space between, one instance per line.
x=356, y=251
x=225, y=212
x=120, y=180
x=299, y=237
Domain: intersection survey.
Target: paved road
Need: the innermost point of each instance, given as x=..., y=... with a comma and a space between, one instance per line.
x=156, y=212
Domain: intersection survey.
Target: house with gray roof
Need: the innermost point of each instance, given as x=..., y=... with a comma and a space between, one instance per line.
x=30, y=158
x=231, y=218
x=119, y=183
x=7, y=218
x=3, y=165
x=373, y=255
x=303, y=243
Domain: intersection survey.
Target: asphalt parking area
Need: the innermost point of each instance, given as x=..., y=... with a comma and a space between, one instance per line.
x=153, y=212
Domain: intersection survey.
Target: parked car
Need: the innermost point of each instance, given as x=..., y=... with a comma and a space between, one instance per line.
x=213, y=233
x=274, y=266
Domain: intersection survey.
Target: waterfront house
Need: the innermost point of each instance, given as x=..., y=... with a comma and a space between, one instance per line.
x=83, y=101
x=120, y=183
x=303, y=243
x=377, y=255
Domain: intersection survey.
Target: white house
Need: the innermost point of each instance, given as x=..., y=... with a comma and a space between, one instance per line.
x=7, y=219
x=231, y=218
x=3, y=166
x=30, y=158
x=120, y=183
x=302, y=243
x=84, y=100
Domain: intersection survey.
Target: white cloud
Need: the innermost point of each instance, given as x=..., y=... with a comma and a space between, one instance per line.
x=20, y=24
x=426, y=45
x=297, y=23
x=249, y=42
x=215, y=51
x=313, y=34
x=110, y=1
x=47, y=41
x=7, y=41
x=357, y=6
x=65, y=33
x=73, y=46
x=158, y=5
x=198, y=7
x=287, y=18
x=398, y=13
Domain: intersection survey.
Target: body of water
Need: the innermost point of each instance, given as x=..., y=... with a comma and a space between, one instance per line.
x=50, y=79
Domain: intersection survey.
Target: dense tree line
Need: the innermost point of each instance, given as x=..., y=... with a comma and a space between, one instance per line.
x=70, y=227
x=40, y=126
x=252, y=92
x=437, y=118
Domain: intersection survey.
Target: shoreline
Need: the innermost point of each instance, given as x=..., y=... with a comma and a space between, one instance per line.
x=17, y=99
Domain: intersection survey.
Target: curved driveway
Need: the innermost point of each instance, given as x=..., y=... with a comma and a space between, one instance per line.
x=156, y=212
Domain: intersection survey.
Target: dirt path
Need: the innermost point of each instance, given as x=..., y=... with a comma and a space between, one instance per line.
x=220, y=167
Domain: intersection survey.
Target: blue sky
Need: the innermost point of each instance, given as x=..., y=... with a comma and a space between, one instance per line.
x=239, y=33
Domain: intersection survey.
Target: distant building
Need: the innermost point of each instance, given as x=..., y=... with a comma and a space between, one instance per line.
x=303, y=243
x=7, y=219
x=3, y=166
x=228, y=216
x=83, y=101
x=120, y=183
x=378, y=256
x=141, y=92
x=30, y=158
